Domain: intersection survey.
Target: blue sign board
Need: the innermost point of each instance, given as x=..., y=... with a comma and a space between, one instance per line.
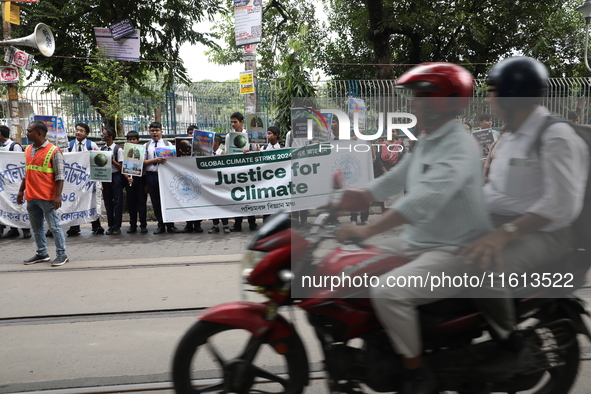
x=121, y=29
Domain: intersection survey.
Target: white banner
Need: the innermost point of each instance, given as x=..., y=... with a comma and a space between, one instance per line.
x=259, y=183
x=80, y=196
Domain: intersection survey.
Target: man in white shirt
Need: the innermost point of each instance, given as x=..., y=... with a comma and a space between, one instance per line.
x=237, y=122
x=8, y=145
x=83, y=144
x=151, y=164
x=113, y=191
x=536, y=185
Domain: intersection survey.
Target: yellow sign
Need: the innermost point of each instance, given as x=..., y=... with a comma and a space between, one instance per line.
x=246, y=82
x=12, y=13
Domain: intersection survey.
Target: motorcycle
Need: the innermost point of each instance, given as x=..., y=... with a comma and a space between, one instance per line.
x=354, y=345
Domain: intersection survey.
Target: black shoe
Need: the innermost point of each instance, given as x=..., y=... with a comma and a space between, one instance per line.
x=227, y=230
x=173, y=230
x=143, y=229
x=12, y=233
x=132, y=230
x=214, y=230
x=253, y=227
x=26, y=234
x=160, y=230
x=113, y=231
x=49, y=234
x=187, y=229
x=236, y=229
x=73, y=233
x=198, y=229
x=37, y=259
x=98, y=231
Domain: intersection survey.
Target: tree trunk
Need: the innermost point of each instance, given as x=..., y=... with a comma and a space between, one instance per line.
x=379, y=36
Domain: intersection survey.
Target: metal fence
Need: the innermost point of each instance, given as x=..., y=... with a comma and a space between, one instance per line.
x=210, y=104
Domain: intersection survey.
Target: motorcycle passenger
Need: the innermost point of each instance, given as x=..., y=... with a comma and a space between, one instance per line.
x=536, y=184
x=443, y=209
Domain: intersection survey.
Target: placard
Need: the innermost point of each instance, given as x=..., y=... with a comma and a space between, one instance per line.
x=256, y=125
x=165, y=151
x=133, y=159
x=236, y=142
x=184, y=146
x=203, y=143
x=100, y=165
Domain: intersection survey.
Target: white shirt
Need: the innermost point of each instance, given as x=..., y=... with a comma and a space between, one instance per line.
x=218, y=152
x=6, y=147
x=82, y=145
x=119, y=157
x=151, y=152
x=551, y=186
x=295, y=142
x=270, y=146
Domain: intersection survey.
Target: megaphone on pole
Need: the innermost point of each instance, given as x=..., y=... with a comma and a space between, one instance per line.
x=42, y=39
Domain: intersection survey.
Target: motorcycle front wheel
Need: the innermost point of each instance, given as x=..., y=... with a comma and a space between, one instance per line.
x=214, y=358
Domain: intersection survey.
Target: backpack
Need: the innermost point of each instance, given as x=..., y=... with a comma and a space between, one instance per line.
x=88, y=145
x=581, y=227
x=115, y=150
x=13, y=145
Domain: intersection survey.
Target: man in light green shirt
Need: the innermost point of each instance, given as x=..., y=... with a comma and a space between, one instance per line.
x=442, y=210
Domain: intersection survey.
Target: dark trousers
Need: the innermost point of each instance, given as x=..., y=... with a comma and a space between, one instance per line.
x=154, y=192
x=113, y=197
x=251, y=220
x=364, y=216
x=225, y=221
x=136, y=201
x=300, y=216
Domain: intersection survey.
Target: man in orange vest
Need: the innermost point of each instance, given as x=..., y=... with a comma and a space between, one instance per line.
x=42, y=188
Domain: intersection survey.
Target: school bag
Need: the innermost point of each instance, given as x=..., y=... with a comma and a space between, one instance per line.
x=88, y=145
x=581, y=227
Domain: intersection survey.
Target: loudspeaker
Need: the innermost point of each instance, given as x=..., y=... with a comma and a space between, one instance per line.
x=42, y=39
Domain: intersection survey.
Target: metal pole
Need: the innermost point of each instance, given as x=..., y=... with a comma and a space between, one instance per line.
x=13, y=104
x=252, y=99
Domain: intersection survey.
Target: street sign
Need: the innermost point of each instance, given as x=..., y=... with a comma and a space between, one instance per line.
x=12, y=13
x=8, y=75
x=18, y=58
x=121, y=29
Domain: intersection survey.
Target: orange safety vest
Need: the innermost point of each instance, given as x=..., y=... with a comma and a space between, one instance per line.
x=40, y=180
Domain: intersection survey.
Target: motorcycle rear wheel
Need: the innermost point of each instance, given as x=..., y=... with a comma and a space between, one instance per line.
x=560, y=379
x=209, y=359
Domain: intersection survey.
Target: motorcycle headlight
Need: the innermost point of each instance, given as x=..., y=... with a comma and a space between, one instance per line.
x=250, y=260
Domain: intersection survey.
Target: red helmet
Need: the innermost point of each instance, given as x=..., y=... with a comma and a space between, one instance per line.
x=440, y=80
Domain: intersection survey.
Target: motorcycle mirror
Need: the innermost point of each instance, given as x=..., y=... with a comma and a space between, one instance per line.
x=338, y=180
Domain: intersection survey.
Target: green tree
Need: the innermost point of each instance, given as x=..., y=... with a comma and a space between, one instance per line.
x=477, y=33
x=164, y=26
x=295, y=75
x=281, y=22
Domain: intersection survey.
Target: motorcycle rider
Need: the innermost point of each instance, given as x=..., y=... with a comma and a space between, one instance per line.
x=443, y=209
x=536, y=184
